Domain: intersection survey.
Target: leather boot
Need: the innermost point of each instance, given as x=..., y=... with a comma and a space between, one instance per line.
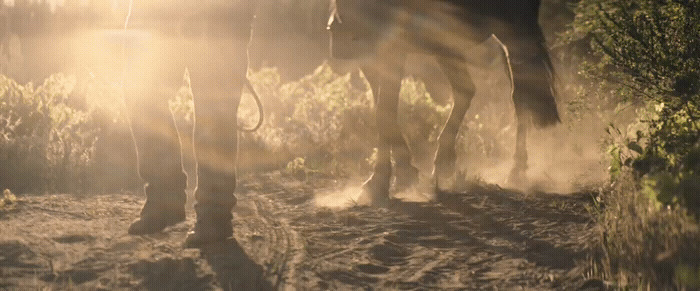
x=163, y=208
x=153, y=221
x=213, y=225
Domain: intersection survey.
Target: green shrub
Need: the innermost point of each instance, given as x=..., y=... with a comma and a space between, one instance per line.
x=64, y=135
x=46, y=142
x=644, y=246
x=648, y=55
x=319, y=118
x=329, y=124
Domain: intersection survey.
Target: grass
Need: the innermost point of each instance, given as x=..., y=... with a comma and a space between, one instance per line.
x=644, y=246
x=7, y=199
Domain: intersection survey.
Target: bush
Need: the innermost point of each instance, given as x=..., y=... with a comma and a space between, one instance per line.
x=421, y=120
x=644, y=246
x=321, y=123
x=320, y=118
x=329, y=123
x=646, y=56
x=46, y=142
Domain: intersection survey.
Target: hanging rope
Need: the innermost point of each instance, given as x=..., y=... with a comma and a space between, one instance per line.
x=249, y=86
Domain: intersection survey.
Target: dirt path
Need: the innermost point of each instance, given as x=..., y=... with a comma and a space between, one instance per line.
x=485, y=238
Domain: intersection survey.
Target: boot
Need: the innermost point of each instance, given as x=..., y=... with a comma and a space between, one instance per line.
x=213, y=225
x=164, y=207
x=155, y=219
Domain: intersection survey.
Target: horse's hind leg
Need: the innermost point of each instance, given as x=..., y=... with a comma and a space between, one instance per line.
x=464, y=89
x=517, y=175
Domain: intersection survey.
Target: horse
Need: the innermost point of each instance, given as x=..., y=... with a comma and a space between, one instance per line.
x=381, y=33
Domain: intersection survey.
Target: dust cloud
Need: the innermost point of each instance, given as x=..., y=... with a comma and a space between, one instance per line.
x=562, y=159
x=346, y=198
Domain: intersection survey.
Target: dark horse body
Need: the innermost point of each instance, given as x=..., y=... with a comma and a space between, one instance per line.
x=382, y=33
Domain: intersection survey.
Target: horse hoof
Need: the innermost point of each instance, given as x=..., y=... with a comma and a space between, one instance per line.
x=445, y=175
x=517, y=179
x=373, y=196
x=445, y=183
x=406, y=178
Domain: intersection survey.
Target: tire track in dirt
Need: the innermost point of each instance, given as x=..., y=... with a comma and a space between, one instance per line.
x=269, y=241
x=486, y=237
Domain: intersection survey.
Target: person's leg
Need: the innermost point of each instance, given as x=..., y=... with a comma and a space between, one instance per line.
x=217, y=80
x=156, y=140
x=160, y=168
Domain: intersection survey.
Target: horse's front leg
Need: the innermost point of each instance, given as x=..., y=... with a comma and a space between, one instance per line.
x=464, y=89
x=405, y=172
x=385, y=79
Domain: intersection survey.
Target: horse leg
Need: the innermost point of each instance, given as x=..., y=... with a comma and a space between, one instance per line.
x=517, y=175
x=385, y=79
x=464, y=89
x=405, y=172
x=532, y=94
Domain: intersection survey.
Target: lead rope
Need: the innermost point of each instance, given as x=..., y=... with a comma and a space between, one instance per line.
x=123, y=92
x=249, y=86
x=261, y=116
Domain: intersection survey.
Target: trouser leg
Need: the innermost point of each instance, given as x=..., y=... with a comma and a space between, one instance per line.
x=158, y=159
x=217, y=82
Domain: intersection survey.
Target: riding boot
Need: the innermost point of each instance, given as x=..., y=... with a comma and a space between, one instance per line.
x=165, y=206
x=221, y=69
x=215, y=201
x=160, y=167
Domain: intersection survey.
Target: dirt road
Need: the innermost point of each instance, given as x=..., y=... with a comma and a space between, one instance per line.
x=483, y=238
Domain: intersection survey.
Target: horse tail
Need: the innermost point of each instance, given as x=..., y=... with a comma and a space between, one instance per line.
x=544, y=107
x=533, y=73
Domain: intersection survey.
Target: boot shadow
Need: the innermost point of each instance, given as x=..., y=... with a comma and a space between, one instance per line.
x=233, y=269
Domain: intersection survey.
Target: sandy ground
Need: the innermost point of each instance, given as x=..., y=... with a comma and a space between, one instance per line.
x=482, y=238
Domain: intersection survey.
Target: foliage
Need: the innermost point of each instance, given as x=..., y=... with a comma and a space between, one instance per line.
x=320, y=118
x=646, y=56
x=324, y=122
x=643, y=246
x=182, y=104
x=64, y=134
x=8, y=198
x=421, y=120
x=46, y=142
x=649, y=53
x=651, y=48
